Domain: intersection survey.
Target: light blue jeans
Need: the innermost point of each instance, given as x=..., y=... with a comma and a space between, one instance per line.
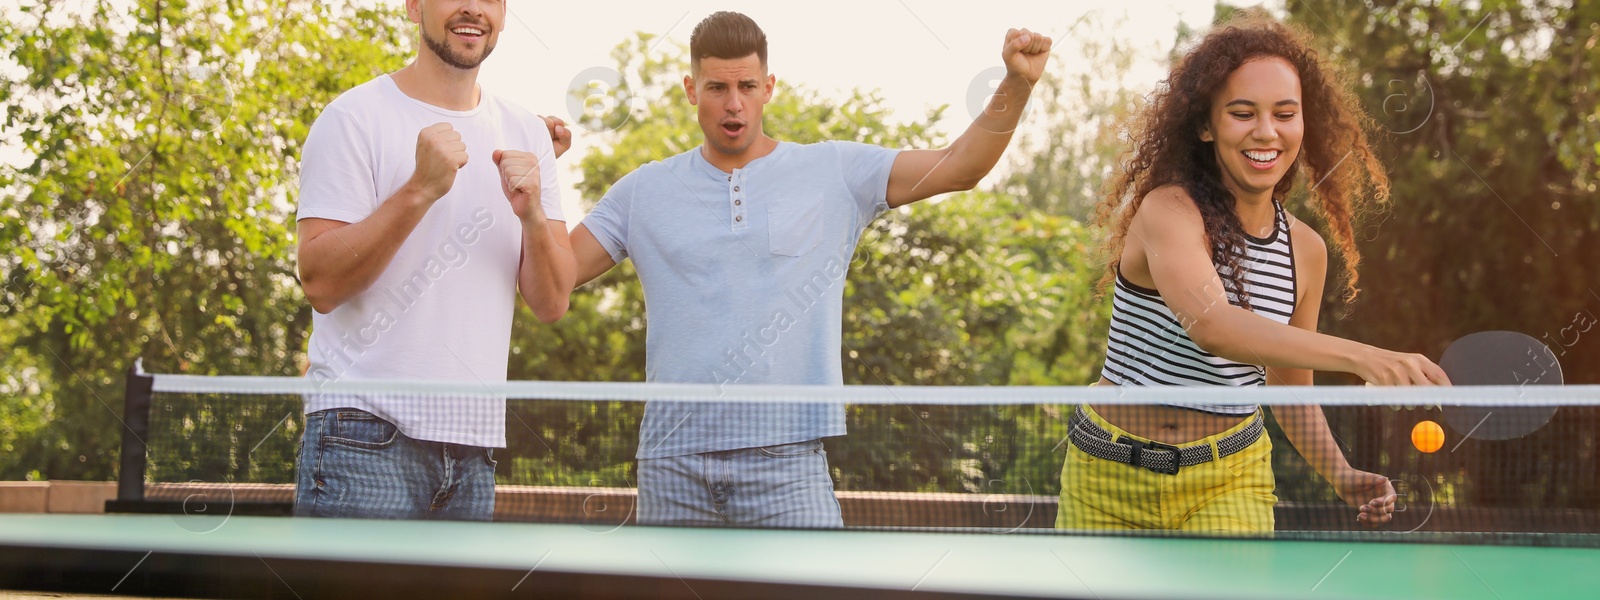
x=786, y=485
x=353, y=464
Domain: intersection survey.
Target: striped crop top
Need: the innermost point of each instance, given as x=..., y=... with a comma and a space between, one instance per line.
x=1147, y=346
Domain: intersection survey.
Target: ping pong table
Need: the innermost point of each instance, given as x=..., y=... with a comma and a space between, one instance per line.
x=268, y=557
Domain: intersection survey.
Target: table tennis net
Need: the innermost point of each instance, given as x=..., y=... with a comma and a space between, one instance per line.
x=1480, y=465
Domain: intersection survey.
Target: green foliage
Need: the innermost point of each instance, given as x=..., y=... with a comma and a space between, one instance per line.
x=155, y=217
x=1489, y=117
x=1490, y=111
x=976, y=290
x=223, y=438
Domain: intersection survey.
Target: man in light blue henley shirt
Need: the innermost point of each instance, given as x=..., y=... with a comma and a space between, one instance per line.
x=742, y=246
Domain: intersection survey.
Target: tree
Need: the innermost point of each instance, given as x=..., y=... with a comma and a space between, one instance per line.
x=1492, y=123
x=154, y=218
x=1492, y=207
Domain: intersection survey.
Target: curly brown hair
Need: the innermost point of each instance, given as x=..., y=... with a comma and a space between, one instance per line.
x=1167, y=149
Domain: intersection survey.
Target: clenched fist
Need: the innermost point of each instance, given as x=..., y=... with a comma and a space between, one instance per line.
x=1025, y=54
x=440, y=154
x=560, y=136
x=519, y=179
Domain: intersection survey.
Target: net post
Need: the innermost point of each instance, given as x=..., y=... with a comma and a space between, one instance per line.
x=136, y=397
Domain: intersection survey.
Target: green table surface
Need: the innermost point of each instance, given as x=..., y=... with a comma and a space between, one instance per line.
x=1028, y=565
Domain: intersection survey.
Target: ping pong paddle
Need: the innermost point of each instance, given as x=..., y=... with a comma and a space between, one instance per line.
x=1499, y=358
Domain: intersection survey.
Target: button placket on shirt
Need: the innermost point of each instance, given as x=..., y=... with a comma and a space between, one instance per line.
x=737, y=207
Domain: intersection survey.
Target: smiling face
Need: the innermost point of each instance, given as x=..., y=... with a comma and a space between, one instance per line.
x=1256, y=126
x=730, y=95
x=460, y=32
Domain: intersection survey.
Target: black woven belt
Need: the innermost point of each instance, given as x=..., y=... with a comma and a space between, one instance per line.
x=1158, y=457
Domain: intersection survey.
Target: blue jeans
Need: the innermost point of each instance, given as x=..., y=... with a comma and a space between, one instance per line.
x=787, y=485
x=353, y=464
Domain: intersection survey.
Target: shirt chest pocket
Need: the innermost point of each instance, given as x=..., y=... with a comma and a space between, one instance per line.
x=796, y=224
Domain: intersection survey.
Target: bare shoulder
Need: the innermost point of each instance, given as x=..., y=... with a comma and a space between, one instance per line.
x=1168, y=206
x=1308, y=245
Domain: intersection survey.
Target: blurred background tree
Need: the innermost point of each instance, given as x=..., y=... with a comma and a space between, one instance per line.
x=1490, y=118
x=1491, y=130
x=155, y=218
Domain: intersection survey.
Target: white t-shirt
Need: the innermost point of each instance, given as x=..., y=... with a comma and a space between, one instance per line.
x=442, y=308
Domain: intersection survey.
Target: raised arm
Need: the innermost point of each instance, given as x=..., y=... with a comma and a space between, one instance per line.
x=920, y=174
x=339, y=260
x=1169, y=227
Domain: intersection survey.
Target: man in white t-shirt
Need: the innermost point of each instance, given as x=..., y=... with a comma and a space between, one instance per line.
x=426, y=207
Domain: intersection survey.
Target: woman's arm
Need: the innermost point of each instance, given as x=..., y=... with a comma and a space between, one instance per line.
x=1305, y=425
x=1169, y=227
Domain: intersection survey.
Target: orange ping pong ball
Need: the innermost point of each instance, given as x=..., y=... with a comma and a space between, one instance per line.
x=1427, y=436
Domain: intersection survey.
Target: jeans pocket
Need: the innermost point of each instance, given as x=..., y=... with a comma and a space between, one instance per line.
x=361, y=429
x=795, y=225
x=806, y=448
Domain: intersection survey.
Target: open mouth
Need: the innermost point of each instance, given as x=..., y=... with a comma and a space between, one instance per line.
x=732, y=128
x=469, y=32
x=1262, y=159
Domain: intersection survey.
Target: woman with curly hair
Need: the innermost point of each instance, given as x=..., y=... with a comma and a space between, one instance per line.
x=1220, y=285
